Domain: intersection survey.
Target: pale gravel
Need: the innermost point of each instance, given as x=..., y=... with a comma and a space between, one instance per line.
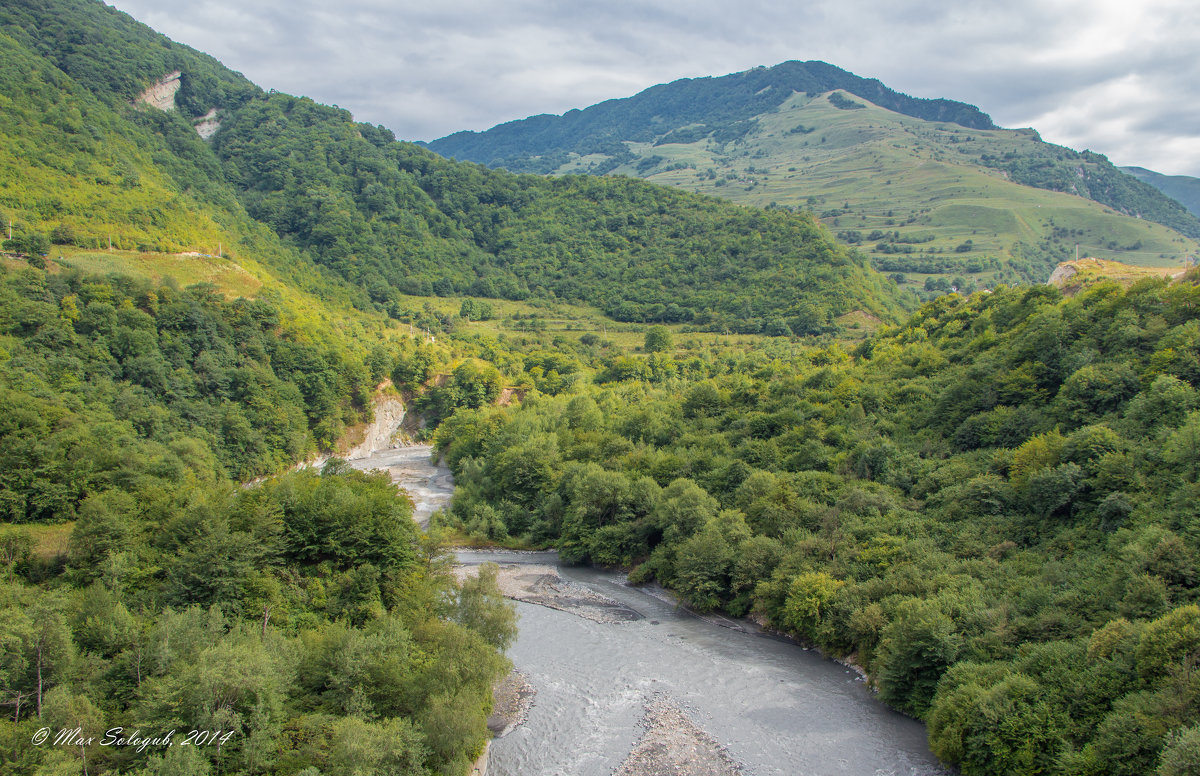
x=541, y=584
x=673, y=745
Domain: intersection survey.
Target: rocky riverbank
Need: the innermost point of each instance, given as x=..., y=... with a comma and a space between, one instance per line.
x=511, y=701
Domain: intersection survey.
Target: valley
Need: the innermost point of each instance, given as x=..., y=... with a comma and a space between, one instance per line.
x=663, y=413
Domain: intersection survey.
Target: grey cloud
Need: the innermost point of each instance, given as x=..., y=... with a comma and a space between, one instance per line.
x=426, y=69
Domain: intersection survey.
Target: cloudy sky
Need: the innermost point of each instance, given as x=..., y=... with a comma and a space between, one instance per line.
x=1121, y=77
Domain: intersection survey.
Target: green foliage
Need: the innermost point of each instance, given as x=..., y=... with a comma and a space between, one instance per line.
x=990, y=508
x=914, y=650
x=394, y=218
x=132, y=372
x=658, y=340
x=252, y=629
x=809, y=597
x=482, y=609
x=1181, y=755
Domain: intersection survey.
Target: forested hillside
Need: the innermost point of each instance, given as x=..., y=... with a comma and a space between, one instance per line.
x=144, y=588
x=392, y=217
x=1184, y=189
x=935, y=198
x=383, y=219
x=991, y=508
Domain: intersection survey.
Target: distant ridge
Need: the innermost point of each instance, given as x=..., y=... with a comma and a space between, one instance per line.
x=711, y=101
x=1184, y=189
x=930, y=190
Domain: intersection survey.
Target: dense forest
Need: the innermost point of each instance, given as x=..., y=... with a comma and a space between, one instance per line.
x=302, y=622
x=392, y=217
x=991, y=508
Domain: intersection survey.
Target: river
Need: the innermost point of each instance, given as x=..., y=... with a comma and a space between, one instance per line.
x=775, y=707
x=429, y=486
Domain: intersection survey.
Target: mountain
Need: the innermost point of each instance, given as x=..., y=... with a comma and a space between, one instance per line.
x=699, y=106
x=992, y=507
x=1184, y=189
x=303, y=186
x=922, y=187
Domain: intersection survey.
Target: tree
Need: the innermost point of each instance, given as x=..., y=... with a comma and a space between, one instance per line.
x=67, y=710
x=914, y=650
x=482, y=608
x=385, y=748
x=1172, y=640
x=49, y=648
x=658, y=340
x=1181, y=755
x=28, y=243
x=15, y=548
x=808, y=600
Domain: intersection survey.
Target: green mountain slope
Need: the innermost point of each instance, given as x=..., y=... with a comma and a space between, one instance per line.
x=1182, y=188
x=387, y=219
x=726, y=106
x=919, y=196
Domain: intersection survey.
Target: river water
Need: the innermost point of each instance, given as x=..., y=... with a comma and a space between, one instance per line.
x=429, y=485
x=776, y=707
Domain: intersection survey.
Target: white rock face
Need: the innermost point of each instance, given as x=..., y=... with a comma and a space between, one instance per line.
x=389, y=414
x=207, y=125
x=162, y=94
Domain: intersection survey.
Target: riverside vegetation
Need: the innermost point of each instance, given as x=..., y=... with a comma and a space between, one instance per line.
x=990, y=508
x=990, y=504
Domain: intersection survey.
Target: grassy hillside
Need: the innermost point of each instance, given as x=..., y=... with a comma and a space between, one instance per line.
x=937, y=202
x=909, y=193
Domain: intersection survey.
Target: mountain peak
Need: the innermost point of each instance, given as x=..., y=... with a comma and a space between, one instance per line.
x=709, y=100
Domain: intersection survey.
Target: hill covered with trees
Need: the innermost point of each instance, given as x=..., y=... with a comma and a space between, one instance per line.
x=932, y=195
x=723, y=107
x=286, y=180
x=1184, y=189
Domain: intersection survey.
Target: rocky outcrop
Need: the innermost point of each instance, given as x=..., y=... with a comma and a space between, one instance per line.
x=1061, y=274
x=1073, y=276
x=389, y=415
x=207, y=125
x=161, y=95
